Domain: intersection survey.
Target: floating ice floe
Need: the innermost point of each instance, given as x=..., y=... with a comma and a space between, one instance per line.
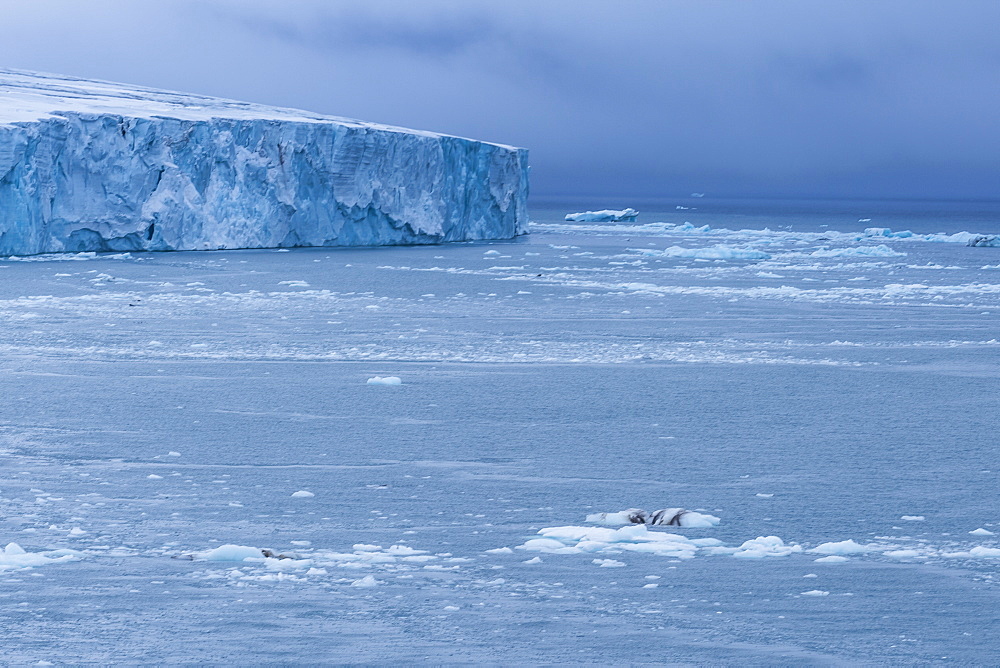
x=842, y=547
x=985, y=240
x=632, y=538
x=387, y=380
x=302, y=494
x=604, y=216
x=15, y=557
x=667, y=517
x=886, y=232
x=718, y=252
x=858, y=251
x=763, y=547
x=912, y=518
x=981, y=532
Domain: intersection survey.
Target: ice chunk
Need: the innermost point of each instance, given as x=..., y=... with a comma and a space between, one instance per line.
x=765, y=546
x=388, y=380
x=366, y=581
x=985, y=240
x=232, y=553
x=604, y=216
x=832, y=559
x=981, y=551
x=608, y=563
x=713, y=253
x=858, y=251
x=302, y=494
x=815, y=592
x=665, y=517
x=885, y=232
x=912, y=518
x=981, y=532
x=842, y=547
x=96, y=166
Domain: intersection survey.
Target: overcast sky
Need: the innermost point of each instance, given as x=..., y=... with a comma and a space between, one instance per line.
x=642, y=98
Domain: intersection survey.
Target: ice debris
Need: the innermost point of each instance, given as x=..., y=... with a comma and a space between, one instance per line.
x=15, y=557
x=388, y=380
x=666, y=517
x=604, y=216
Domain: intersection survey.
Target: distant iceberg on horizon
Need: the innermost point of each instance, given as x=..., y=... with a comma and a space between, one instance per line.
x=96, y=166
x=604, y=216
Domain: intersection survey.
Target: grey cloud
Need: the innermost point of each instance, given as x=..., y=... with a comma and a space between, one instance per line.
x=641, y=98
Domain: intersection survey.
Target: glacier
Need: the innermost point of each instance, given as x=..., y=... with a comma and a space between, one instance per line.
x=96, y=166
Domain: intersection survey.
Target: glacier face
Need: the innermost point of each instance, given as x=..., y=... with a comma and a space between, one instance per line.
x=91, y=166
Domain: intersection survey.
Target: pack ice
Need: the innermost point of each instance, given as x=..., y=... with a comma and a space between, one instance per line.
x=94, y=166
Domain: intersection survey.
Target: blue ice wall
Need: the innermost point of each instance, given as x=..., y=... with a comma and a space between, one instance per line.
x=83, y=180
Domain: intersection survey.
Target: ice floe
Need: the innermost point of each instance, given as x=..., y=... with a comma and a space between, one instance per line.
x=667, y=517
x=719, y=252
x=604, y=216
x=15, y=557
x=387, y=380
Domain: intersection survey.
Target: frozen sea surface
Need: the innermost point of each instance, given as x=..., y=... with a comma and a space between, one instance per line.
x=840, y=399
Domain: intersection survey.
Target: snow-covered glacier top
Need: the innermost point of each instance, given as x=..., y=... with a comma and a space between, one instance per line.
x=91, y=165
x=33, y=96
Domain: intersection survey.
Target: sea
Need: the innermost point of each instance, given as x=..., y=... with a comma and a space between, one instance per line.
x=820, y=378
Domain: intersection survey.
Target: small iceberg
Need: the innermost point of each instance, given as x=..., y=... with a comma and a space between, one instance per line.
x=984, y=240
x=604, y=216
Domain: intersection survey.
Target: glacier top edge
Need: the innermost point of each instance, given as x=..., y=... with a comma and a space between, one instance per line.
x=27, y=96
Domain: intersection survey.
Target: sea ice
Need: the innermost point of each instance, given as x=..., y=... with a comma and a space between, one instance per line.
x=858, y=251
x=15, y=557
x=604, y=216
x=841, y=548
x=231, y=553
x=302, y=494
x=388, y=380
x=679, y=516
x=765, y=546
x=714, y=253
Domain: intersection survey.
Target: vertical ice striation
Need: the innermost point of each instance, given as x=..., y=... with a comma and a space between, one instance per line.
x=90, y=166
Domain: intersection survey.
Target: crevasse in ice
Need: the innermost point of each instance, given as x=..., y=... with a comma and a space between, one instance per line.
x=89, y=166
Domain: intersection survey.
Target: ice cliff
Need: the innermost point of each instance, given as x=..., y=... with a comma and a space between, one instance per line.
x=89, y=165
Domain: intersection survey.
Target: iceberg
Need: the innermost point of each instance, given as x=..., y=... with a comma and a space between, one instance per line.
x=96, y=166
x=985, y=240
x=604, y=216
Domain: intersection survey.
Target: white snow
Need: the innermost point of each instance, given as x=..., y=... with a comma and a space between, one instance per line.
x=603, y=216
x=388, y=380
